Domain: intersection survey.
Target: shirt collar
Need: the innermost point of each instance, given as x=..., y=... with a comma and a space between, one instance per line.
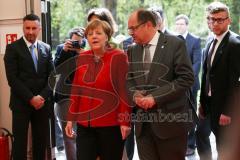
x=154, y=40
x=220, y=38
x=29, y=43
x=185, y=35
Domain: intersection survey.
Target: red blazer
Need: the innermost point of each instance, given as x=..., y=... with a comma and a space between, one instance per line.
x=99, y=92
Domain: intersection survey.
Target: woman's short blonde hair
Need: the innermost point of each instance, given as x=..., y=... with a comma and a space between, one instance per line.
x=98, y=23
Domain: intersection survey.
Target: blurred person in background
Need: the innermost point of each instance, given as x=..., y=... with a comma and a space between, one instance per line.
x=193, y=44
x=65, y=56
x=158, y=11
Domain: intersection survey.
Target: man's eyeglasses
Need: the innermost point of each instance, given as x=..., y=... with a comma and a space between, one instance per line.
x=134, y=28
x=218, y=20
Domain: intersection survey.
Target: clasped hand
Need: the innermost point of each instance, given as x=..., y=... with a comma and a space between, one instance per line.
x=145, y=102
x=37, y=102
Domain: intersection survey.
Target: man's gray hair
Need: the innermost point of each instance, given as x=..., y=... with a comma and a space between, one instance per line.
x=184, y=17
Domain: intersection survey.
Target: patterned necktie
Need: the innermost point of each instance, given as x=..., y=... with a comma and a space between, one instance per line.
x=34, y=57
x=147, y=60
x=210, y=53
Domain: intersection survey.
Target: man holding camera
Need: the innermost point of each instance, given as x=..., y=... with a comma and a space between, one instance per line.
x=65, y=66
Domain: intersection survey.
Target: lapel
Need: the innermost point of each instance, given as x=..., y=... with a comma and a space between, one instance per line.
x=220, y=50
x=158, y=54
x=25, y=50
x=137, y=59
x=41, y=55
x=205, y=55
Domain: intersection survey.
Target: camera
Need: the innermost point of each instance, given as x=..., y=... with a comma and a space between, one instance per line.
x=76, y=44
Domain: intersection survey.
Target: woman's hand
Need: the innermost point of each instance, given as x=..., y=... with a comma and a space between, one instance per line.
x=69, y=129
x=125, y=131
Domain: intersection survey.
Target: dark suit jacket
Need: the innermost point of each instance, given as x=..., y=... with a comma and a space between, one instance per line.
x=169, y=78
x=22, y=78
x=224, y=77
x=193, y=44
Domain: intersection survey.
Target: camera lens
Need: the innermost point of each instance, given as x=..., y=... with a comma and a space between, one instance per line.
x=75, y=44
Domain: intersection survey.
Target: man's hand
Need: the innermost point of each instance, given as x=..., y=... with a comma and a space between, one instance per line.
x=224, y=120
x=137, y=97
x=125, y=131
x=37, y=102
x=67, y=46
x=142, y=101
x=147, y=102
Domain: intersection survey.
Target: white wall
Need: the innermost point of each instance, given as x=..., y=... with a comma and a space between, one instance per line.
x=12, y=9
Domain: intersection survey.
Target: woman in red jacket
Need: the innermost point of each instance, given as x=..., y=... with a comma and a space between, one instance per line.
x=99, y=97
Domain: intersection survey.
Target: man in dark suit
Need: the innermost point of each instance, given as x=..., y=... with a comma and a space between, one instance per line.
x=159, y=17
x=193, y=44
x=203, y=129
x=28, y=63
x=158, y=88
x=221, y=71
x=65, y=57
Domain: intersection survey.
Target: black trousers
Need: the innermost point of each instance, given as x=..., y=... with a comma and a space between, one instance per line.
x=151, y=147
x=105, y=142
x=203, y=132
x=192, y=133
x=40, y=129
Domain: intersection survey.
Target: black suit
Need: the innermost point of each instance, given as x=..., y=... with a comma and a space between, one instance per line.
x=224, y=80
x=170, y=76
x=25, y=83
x=193, y=44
